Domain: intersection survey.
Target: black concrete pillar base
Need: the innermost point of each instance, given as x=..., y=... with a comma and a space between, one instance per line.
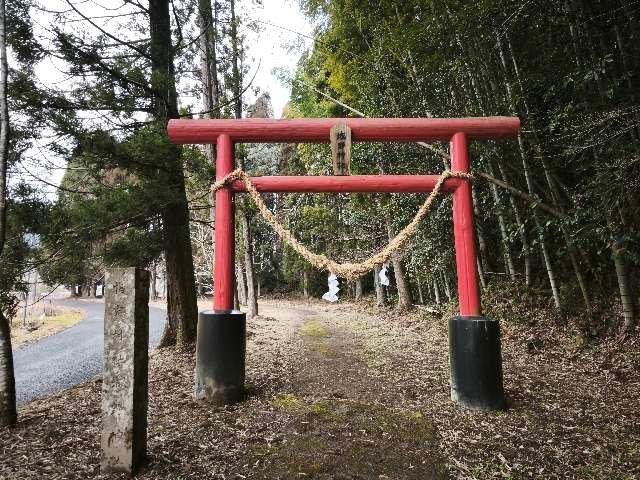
x=476, y=363
x=220, y=356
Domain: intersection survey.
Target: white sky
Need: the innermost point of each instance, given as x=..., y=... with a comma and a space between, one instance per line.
x=281, y=39
x=277, y=46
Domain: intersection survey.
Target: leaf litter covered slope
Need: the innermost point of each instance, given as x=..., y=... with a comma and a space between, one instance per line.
x=339, y=393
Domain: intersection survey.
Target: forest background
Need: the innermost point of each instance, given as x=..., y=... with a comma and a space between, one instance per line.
x=567, y=68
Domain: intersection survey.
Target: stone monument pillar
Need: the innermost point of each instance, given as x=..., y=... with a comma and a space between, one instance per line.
x=123, y=441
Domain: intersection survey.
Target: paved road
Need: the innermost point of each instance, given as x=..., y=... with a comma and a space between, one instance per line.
x=71, y=356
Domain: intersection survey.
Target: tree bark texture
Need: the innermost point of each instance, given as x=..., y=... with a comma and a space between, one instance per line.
x=305, y=284
x=504, y=236
x=483, y=281
x=447, y=288
x=208, y=21
x=482, y=244
x=154, y=281
x=381, y=299
x=252, y=297
x=522, y=233
x=182, y=309
x=404, y=294
x=628, y=310
x=4, y=127
x=436, y=291
x=235, y=63
x=241, y=286
x=8, y=411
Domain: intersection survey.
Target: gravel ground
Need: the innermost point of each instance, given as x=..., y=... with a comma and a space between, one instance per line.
x=346, y=392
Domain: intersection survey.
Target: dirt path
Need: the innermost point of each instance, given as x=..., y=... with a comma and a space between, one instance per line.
x=342, y=420
x=342, y=392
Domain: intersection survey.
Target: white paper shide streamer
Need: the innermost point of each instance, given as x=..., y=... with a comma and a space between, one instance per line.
x=382, y=276
x=332, y=294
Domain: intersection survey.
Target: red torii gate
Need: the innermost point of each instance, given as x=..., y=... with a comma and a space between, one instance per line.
x=474, y=341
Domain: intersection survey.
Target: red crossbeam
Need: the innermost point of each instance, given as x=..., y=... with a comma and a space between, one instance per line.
x=352, y=183
x=315, y=130
x=458, y=131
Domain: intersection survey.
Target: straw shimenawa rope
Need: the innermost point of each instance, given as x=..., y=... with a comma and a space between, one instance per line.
x=347, y=270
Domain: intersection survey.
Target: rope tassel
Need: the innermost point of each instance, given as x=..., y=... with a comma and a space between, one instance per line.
x=347, y=270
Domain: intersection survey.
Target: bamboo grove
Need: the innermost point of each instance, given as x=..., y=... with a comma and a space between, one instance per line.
x=567, y=68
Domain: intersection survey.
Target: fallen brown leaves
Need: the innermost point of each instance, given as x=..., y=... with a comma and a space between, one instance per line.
x=368, y=399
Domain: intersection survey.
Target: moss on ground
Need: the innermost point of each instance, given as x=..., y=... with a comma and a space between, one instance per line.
x=287, y=401
x=314, y=329
x=324, y=350
x=356, y=439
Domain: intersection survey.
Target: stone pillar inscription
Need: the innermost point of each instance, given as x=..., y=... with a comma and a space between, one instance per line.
x=123, y=441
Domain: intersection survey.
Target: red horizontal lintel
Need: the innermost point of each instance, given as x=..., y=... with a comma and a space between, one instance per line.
x=351, y=183
x=316, y=130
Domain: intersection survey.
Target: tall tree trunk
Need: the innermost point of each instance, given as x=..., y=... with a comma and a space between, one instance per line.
x=241, y=286
x=447, y=288
x=8, y=412
x=252, y=298
x=625, y=282
x=358, y=288
x=483, y=281
x=305, y=283
x=4, y=127
x=572, y=31
x=522, y=233
x=482, y=244
x=504, y=236
x=182, y=308
x=420, y=294
x=628, y=310
x=436, y=290
x=555, y=197
x=501, y=221
x=404, y=294
x=527, y=176
x=381, y=298
x=520, y=224
x=154, y=281
x=571, y=250
x=235, y=61
x=208, y=21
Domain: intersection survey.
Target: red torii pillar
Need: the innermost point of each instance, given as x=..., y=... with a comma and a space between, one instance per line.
x=474, y=340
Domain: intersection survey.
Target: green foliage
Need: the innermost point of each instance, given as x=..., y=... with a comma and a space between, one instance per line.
x=568, y=69
x=109, y=204
x=27, y=217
